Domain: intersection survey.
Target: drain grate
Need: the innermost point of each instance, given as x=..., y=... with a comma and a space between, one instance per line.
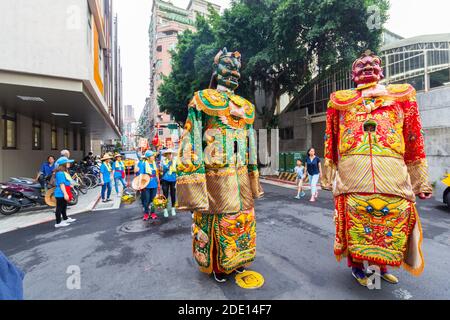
x=135, y=226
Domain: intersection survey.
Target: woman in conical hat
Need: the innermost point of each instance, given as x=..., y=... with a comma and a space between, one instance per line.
x=105, y=177
x=148, y=167
x=119, y=172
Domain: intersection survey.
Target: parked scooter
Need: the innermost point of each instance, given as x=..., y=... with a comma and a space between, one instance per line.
x=23, y=193
x=15, y=196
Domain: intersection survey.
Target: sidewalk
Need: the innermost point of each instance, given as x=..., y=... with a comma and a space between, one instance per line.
x=112, y=205
x=285, y=183
x=30, y=217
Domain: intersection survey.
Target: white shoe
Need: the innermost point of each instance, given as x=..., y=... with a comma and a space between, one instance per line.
x=70, y=220
x=174, y=213
x=166, y=213
x=62, y=224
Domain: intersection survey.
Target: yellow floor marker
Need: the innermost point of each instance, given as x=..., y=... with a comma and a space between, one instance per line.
x=250, y=280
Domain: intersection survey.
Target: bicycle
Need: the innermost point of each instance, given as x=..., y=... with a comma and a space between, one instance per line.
x=79, y=183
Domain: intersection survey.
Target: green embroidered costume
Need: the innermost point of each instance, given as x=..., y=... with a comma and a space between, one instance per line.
x=218, y=175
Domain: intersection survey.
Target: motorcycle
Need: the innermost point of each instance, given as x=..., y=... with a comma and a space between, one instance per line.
x=23, y=193
x=14, y=196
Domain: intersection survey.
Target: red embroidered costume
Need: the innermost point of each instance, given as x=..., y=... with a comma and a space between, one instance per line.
x=374, y=156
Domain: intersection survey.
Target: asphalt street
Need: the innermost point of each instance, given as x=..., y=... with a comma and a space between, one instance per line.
x=121, y=257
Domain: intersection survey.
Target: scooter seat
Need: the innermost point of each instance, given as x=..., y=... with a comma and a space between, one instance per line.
x=35, y=186
x=22, y=180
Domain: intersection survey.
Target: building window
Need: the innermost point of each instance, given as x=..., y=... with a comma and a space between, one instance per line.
x=287, y=133
x=440, y=78
x=37, y=135
x=159, y=48
x=75, y=140
x=54, y=138
x=66, y=139
x=161, y=132
x=10, y=130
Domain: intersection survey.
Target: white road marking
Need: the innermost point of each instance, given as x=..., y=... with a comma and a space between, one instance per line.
x=402, y=294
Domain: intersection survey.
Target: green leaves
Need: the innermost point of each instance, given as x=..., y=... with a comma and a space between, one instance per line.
x=281, y=41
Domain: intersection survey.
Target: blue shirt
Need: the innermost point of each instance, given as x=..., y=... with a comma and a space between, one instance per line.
x=60, y=177
x=118, y=167
x=105, y=172
x=47, y=169
x=167, y=176
x=11, y=280
x=299, y=171
x=313, y=165
x=153, y=184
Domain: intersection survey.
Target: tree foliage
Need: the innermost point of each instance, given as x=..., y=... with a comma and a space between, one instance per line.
x=191, y=68
x=282, y=42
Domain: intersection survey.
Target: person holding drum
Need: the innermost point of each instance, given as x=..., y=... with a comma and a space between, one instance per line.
x=148, y=182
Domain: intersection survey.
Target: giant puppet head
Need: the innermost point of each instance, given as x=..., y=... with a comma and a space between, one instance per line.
x=226, y=69
x=367, y=69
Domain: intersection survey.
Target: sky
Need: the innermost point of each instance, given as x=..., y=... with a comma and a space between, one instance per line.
x=408, y=18
x=134, y=20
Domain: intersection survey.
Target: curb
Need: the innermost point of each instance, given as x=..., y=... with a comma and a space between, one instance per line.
x=88, y=208
x=94, y=203
x=287, y=182
x=284, y=183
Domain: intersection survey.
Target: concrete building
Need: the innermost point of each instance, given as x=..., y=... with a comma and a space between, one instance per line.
x=167, y=22
x=422, y=61
x=60, y=81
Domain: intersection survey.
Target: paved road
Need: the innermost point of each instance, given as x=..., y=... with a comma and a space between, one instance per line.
x=295, y=242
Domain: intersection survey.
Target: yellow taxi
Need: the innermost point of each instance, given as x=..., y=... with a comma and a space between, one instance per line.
x=130, y=159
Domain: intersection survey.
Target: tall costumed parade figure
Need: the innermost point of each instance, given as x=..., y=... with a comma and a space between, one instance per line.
x=218, y=177
x=375, y=163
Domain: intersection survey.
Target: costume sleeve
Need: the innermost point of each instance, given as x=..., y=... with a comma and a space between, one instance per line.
x=415, y=157
x=253, y=171
x=331, y=148
x=192, y=194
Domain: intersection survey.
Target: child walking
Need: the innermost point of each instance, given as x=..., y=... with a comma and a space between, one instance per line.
x=300, y=171
x=105, y=177
x=63, y=193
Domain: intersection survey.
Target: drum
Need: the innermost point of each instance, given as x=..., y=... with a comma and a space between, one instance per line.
x=140, y=182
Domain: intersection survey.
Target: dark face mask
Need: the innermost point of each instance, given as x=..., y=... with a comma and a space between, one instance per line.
x=226, y=69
